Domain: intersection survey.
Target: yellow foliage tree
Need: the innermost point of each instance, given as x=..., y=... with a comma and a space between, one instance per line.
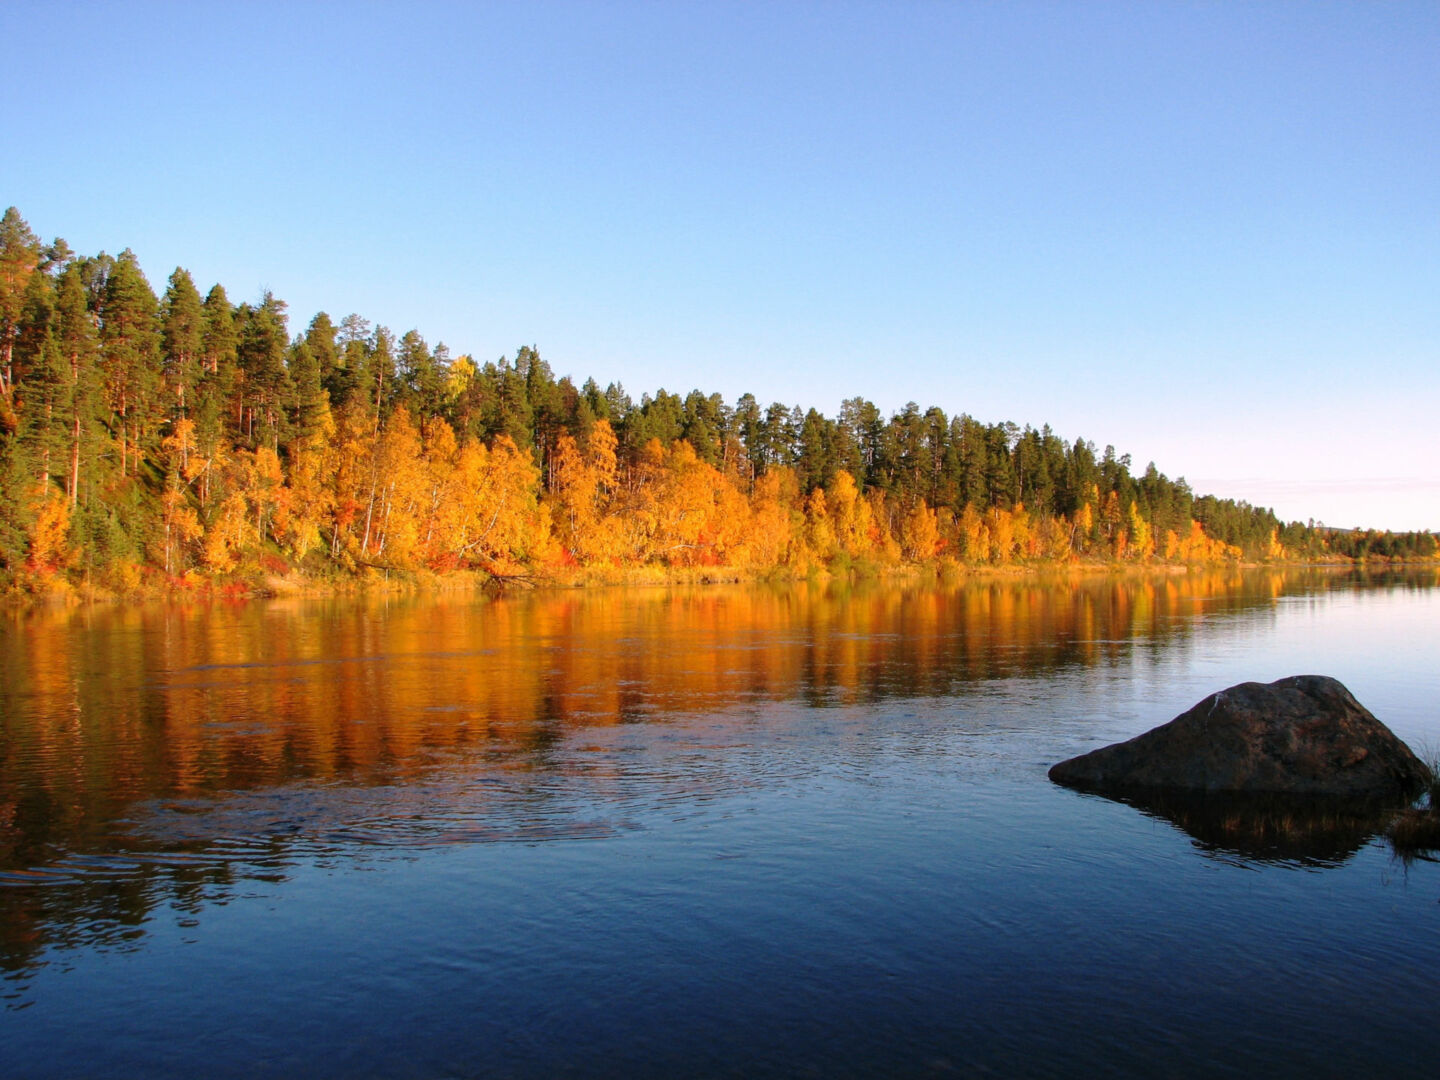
x=819, y=531
x=730, y=525
x=686, y=504
x=179, y=524
x=773, y=529
x=1082, y=529
x=919, y=533
x=1198, y=547
x=224, y=541
x=398, y=498
x=971, y=533
x=1142, y=537
x=582, y=485
x=882, y=531
x=1110, y=517
x=850, y=516
x=1052, y=536
x=504, y=525
x=353, y=448
x=307, y=502
x=262, y=482
x=49, y=535
x=1022, y=533
x=1000, y=524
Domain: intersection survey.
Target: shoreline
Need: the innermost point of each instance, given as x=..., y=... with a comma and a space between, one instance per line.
x=381, y=581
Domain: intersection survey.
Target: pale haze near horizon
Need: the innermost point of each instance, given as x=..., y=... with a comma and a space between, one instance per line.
x=1205, y=234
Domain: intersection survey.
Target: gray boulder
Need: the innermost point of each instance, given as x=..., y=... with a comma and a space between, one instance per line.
x=1305, y=735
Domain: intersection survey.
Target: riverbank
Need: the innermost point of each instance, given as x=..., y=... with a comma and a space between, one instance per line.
x=141, y=585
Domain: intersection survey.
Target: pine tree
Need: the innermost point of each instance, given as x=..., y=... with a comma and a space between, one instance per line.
x=215, y=410
x=308, y=406
x=263, y=342
x=19, y=256
x=40, y=391
x=353, y=341
x=377, y=379
x=182, y=334
x=420, y=375
x=130, y=356
x=78, y=341
x=56, y=257
x=320, y=338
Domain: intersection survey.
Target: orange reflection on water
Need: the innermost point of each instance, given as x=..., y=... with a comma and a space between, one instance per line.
x=109, y=705
x=219, y=732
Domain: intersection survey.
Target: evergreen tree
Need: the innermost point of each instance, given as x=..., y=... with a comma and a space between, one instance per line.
x=33, y=328
x=308, y=405
x=596, y=400
x=619, y=403
x=546, y=403
x=778, y=436
x=863, y=426
x=56, y=257
x=353, y=340
x=217, y=410
x=78, y=341
x=377, y=378
x=974, y=461
x=507, y=407
x=661, y=418
x=40, y=394
x=320, y=337
x=748, y=427
x=16, y=510
x=1000, y=488
x=263, y=342
x=130, y=357
x=813, y=464
x=96, y=276
x=421, y=377
x=182, y=336
x=702, y=425
x=1082, y=476
x=19, y=256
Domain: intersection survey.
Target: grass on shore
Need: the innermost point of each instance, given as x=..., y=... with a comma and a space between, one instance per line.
x=1415, y=831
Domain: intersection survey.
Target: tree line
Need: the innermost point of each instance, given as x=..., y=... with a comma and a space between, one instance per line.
x=184, y=437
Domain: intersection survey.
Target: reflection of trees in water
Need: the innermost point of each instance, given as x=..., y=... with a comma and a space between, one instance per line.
x=114, y=707
x=100, y=903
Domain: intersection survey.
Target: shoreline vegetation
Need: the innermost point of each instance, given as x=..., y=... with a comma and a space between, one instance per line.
x=174, y=444
x=257, y=582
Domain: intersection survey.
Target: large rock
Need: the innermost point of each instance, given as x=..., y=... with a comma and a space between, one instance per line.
x=1305, y=735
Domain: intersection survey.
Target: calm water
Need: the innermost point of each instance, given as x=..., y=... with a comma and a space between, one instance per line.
x=711, y=832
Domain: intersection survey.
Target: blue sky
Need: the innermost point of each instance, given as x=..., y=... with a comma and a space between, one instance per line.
x=1206, y=233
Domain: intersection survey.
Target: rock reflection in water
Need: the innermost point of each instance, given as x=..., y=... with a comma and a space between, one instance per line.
x=1266, y=828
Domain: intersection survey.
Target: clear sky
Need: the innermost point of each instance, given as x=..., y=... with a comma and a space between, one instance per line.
x=1206, y=233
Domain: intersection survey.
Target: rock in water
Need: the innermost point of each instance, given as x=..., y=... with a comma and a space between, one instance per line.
x=1305, y=735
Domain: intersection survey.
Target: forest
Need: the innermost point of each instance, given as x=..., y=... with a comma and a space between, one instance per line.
x=180, y=440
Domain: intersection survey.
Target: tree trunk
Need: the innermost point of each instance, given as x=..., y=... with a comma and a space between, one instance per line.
x=75, y=461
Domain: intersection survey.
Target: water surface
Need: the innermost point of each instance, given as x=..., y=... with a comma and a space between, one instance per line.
x=722, y=832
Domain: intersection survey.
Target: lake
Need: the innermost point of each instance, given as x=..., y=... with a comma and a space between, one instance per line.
x=723, y=831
